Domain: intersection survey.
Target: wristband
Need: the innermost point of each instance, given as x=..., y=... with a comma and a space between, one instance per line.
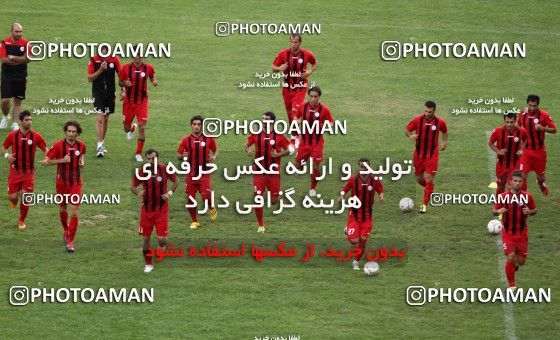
x=170, y=193
x=6, y=155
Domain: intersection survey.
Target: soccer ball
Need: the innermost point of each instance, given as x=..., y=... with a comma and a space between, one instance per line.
x=494, y=227
x=371, y=268
x=406, y=204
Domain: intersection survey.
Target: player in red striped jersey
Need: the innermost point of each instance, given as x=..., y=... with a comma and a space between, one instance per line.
x=24, y=142
x=427, y=128
x=508, y=142
x=68, y=155
x=199, y=151
x=515, y=206
x=537, y=122
x=312, y=142
x=133, y=77
x=360, y=220
x=155, y=209
x=269, y=147
x=292, y=62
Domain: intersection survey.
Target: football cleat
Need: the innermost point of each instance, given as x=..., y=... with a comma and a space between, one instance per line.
x=312, y=193
x=195, y=225
x=130, y=134
x=15, y=126
x=213, y=214
x=21, y=225
x=139, y=158
x=148, y=268
x=261, y=229
x=544, y=189
x=356, y=265
x=70, y=247
x=100, y=152
x=4, y=122
x=422, y=209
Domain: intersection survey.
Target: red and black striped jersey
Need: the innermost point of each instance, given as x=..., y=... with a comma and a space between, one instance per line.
x=265, y=143
x=23, y=147
x=513, y=220
x=364, y=190
x=138, y=76
x=509, y=140
x=316, y=117
x=198, y=150
x=428, y=132
x=535, y=139
x=71, y=172
x=105, y=83
x=154, y=187
x=297, y=64
x=16, y=48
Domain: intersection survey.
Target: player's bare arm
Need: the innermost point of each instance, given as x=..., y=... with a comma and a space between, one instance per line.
x=213, y=156
x=527, y=211
x=82, y=162
x=309, y=71
x=443, y=144
x=9, y=156
x=283, y=152
x=280, y=68
x=135, y=190
x=181, y=156
x=497, y=212
x=411, y=135
x=174, y=186
x=547, y=129
x=126, y=83
x=521, y=147
x=494, y=148
x=250, y=150
x=48, y=161
x=153, y=80
x=91, y=77
x=381, y=197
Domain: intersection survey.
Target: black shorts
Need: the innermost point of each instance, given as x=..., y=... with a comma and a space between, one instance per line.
x=104, y=104
x=13, y=88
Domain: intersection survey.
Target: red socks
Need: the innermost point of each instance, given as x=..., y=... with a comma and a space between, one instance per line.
x=192, y=212
x=510, y=273
x=139, y=147
x=23, y=212
x=259, y=213
x=147, y=258
x=64, y=221
x=314, y=180
x=72, y=228
x=362, y=245
x=428, y=190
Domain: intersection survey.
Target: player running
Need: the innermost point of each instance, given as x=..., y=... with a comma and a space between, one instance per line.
x=515, y=207
x=537, y=122
x=269, y=147
x=68, y=155
x=199, y=151
x=508, y=142
x=24, y=142
x=292, y=62
x=155, y=209
x=101, y=75
x=133, y=77
x=360, y=220
x=424, y=130
x=312, y=141
x=13, y=55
